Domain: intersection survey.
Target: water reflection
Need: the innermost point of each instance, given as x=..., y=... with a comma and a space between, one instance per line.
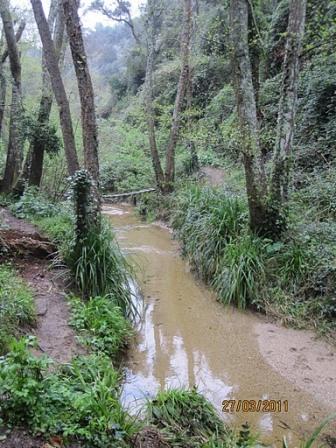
x=185, y=338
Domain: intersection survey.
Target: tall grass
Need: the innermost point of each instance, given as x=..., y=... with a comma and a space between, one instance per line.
x=205, y=220
x=240, y=277
x=100, y=269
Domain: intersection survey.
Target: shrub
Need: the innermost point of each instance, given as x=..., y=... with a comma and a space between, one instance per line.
x=16, y=306
x=34, y=204
x=101, y=325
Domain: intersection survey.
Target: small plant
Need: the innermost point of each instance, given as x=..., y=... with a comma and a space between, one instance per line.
x=17, y=309
x=101, y=325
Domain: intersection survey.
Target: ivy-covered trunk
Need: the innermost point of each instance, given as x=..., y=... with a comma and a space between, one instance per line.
x=86, y=95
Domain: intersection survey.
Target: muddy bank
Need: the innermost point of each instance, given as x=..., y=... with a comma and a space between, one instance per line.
x=188, y=339
x=310, y=364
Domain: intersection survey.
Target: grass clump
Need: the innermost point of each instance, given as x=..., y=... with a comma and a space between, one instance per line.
x=187, y=419
x=17, y=309
x=240, y=276
x=99, y=268
x=78, y=401
x=205, y=221
x=100, y=325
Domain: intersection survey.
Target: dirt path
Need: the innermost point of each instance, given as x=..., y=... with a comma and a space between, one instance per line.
x=55, y=338
x=213, y=176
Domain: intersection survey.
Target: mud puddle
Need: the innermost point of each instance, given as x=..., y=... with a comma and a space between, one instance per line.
x=186, y=338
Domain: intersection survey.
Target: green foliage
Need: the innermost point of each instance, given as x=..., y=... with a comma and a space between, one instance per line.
x=78, y=401
x=205, y=220
x=240, y=276
x=99, y=268
x=100, y=325
x=34, y=204
x=187, y=418
x=43, y=134
x=17, y=309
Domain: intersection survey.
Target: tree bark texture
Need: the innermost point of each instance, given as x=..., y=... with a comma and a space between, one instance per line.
x=180, y=96
x=288, y=99
x=36, y=151
x=247, y=112
x=51, y=61
x=148, y=94
x=85, y=88
x=15, y=141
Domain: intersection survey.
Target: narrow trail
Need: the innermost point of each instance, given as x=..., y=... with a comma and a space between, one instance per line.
x=54, y=335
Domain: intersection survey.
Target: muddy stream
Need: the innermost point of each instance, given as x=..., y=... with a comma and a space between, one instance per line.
x=186, y=338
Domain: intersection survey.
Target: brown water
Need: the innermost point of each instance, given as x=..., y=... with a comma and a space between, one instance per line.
x=186, y=338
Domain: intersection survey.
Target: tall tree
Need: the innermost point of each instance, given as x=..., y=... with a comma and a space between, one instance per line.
x=265, y=199
x=148, y=93
x=120, y=13
x=51, y=61
x=288, y=99
x=85, y=88
x=180, y=96
x=37, y=149
x=15, y=141
x=165, y=181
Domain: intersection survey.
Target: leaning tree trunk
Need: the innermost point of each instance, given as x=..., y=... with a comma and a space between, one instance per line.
x=15, y=142
x=85, y=88
x=51, y=61
x=36, y=151
x=148, y=97
x=247, y=113
x=287, y=104
x=86, y=94
x=181, y=91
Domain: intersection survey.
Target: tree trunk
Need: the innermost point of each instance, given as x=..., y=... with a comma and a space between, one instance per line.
x=35, y=154
x=181, y=90
x=86, y=94
x=15, y=142
x=148, y=94
x=51, y=61
x=3, y=89
x=287, y=104
x=247, y=112
x=3, y=84
x=85, y=88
